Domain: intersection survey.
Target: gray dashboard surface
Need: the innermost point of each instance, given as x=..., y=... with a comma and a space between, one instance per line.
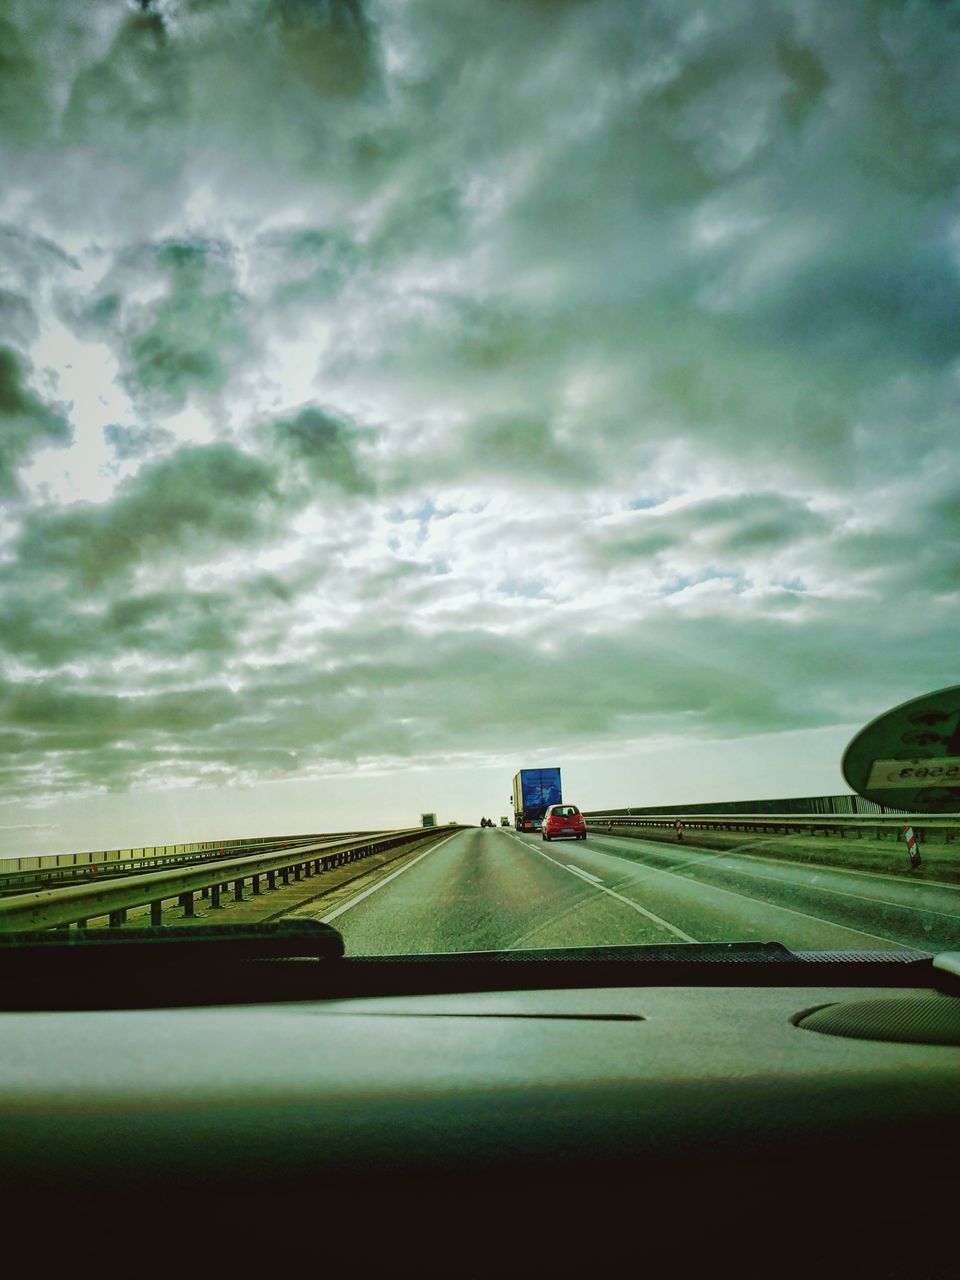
x=455, y=1079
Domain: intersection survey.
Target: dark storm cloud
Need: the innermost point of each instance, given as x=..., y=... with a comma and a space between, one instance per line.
x=26, y=422
x=328, y=43
x=37, y=627
x=307, y=266
x=325, y=445
x=196, y=500
x=18, y=319
x=25, y=108
x=186, y=340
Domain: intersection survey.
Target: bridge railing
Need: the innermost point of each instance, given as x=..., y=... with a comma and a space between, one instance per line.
x=61, y=870
x=926, y=826
x=44, y=861
x=78, y=904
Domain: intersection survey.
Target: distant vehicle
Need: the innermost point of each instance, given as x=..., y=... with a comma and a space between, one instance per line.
x=563, y=820
x=534, y=790
x=504, y=822
x=428, y=819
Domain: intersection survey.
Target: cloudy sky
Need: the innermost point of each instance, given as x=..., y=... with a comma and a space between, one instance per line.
x=396, y=394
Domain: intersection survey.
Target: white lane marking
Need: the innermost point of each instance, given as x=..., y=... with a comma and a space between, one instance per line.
x=844, y=893
x=579, y=871
x=386, y=880
x=713, y=863
x=612, y=893
x=774, y=906
x=746, y=849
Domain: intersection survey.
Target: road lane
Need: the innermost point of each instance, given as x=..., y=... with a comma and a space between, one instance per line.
x=487, y=889
x=483, y=890
x=723, y=895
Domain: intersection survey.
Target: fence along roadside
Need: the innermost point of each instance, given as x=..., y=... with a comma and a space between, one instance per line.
x=59, y=908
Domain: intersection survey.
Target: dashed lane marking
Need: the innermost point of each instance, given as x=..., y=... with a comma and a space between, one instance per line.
x=612, y=893
x=586, y=875
x=760, y=902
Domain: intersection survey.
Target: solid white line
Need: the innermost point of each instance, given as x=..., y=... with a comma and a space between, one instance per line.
x=841, y=893
x=783, y=862
x=586, y=874
x=776, y=906
x=602, y=888
x=711, y=862
x=386, y=880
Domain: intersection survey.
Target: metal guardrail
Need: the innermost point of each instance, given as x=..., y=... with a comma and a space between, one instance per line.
x=59, y=908
x=856, y=826
x=846, y=803
x=67, y=873
x=42, y=861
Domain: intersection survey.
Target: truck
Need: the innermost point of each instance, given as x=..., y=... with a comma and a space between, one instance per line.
x=428, y=819
x=534, y=790
x=504, y=822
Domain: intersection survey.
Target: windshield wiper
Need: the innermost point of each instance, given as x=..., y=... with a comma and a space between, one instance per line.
x=61, y=951
x=133, y=968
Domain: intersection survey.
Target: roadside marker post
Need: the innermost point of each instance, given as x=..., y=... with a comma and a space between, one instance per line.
x=911, y=838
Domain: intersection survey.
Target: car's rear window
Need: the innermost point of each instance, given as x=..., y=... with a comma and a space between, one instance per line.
x=564, y=811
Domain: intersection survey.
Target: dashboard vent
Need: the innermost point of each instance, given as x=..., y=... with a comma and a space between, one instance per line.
x=903, y=1019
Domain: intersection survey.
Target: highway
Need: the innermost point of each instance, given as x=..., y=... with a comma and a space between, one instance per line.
x=488, y=889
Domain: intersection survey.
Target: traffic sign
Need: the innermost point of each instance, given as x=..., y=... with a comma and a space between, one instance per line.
x=909, y=758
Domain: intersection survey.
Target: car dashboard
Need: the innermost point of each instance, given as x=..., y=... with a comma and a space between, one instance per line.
x=539, y=1126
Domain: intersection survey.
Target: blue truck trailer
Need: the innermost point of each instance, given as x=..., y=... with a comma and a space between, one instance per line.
x=534, y=790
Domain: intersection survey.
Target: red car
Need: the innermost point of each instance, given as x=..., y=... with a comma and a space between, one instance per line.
x=563, y=820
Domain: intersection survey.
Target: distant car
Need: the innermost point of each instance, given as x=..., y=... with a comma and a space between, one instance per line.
x=563, y=820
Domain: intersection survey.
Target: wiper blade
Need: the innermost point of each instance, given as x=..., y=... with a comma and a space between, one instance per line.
x=197, y=944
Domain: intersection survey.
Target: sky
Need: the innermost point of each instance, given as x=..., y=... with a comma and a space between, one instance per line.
x=395, y=395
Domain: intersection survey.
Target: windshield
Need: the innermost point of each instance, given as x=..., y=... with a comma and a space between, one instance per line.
x=415, y=411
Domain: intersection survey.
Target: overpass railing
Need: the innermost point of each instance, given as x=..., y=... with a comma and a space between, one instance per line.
x=78, y=904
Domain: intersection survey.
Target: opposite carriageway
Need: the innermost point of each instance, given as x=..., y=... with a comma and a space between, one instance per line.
x=79, y=904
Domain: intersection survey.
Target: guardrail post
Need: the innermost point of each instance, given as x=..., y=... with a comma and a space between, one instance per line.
x=155, y=911
x=298, y=871
x=117, y=918
x=285, y=874
x=238, y=890
x=215, y=897
x=186, y=901
x=255, y=886
x=271, y=879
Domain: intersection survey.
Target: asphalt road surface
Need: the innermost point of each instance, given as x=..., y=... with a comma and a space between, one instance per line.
x=487, y=889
